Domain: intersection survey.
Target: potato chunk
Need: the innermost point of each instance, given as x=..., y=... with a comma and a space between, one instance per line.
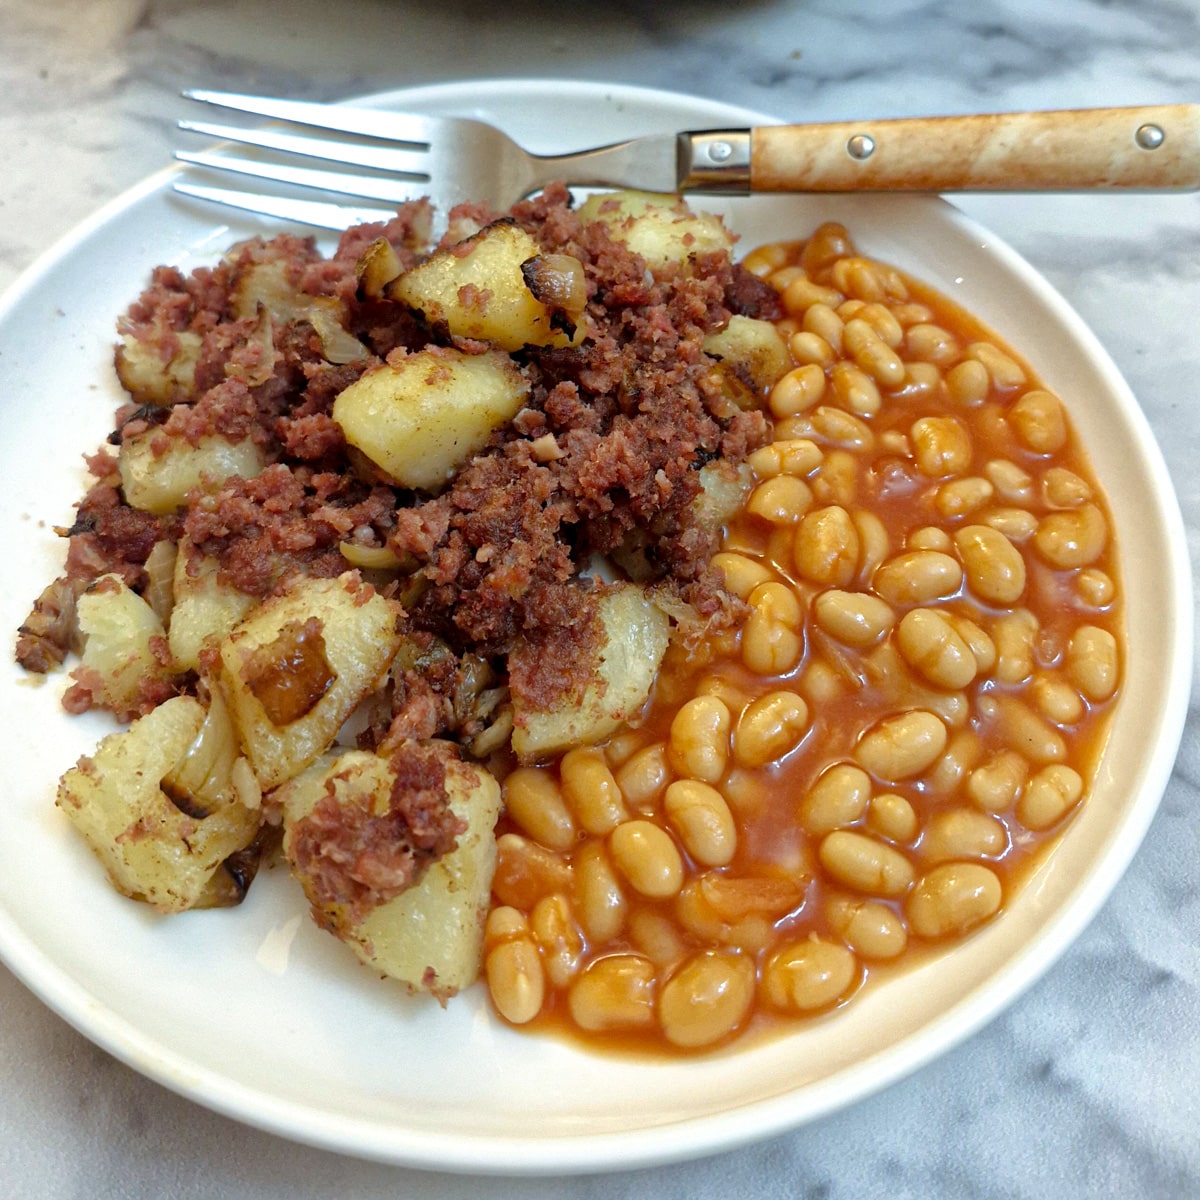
x=205, y=609
x=422, y=417
x=158, y=471
x=158, y=842
x=622, y=674
x=753, y=357
x=152, y=379
x=125, y=645
x=661, y=228
x=430, y=936
x=478, y=288
x=298, y=666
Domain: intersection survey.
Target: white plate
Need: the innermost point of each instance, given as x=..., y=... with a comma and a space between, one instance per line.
x=259, y=1015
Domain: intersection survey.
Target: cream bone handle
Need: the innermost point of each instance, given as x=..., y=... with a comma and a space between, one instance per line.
x=1153, y=148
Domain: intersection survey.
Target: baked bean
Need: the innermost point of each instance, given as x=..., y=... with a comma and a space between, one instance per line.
x=741, y=575
x=960, y=497
x=707, y=998
x=827, y=546
x=736, y=911
x=526, y=871
x=1012, y=483
x=912, y=314
x=968, y=383
x=962, y=753
x=1049, y=795
x=1023, y=730
x=1039, y=421
x=599, y=898
x=850, y=308
x=884, y=322
x=820, y=683
x=698, y=745
x=1074, y=538
x=835, y=481
x=811, y=348
x=647, y=857
x=942, y=446
x=1015, y=634
x=534, y=800
x=921, y=381
x=808, y=975
x=1095, y=587
x=982, y=646
x=917, y=577
x=733, y=697
x=515, y=979
x=929, y=537
x=1092, y=662
x=768, y=728
x=855, y=389
x=872, y=353
x=932, y=344
x=1016, y=524
x=932, y=646
x=783, y=278
x=902, y=746
x=701, y=819
x=763, y=260
x=996, y=785
x=1004, y=371
x=956, y=833
x=829, y=242
x=502, y=922
x=782, y=500
x=953, y=898
x=892, y=816
x=613, y=993
x=824, y=322
x=870, y=929
x=802, y=293
x=860, y=862
x=554, y=930
x=654, y=935
x=854, y=618
x=643, y=777
x=1064, y=489
x=874, y=544
x=590, y=790
x=994, y=567
x=837, y=798
x=786, y=456
x=1057, y=700
x=797, y=391
x=868, y=280
x=838, y=428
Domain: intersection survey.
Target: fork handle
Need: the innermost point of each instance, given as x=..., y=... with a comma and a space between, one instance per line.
x=1148, y=147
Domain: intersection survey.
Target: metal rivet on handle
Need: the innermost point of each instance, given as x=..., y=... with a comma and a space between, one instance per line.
x=860, y=146
x=1149, y=137
x=720, y=151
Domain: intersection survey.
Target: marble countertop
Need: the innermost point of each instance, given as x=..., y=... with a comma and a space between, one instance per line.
x=1087, y=1086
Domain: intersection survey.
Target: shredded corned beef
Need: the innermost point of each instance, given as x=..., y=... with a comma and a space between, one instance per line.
x=605, y=455
x=353, y=859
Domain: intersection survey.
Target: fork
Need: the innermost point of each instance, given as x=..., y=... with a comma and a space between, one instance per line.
x=452, y=159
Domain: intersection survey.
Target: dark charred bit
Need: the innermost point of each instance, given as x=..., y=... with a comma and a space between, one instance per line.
x=289, y=676
x=231, y=882
x=184, y=801
x=144, y=414
x=51, y=631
